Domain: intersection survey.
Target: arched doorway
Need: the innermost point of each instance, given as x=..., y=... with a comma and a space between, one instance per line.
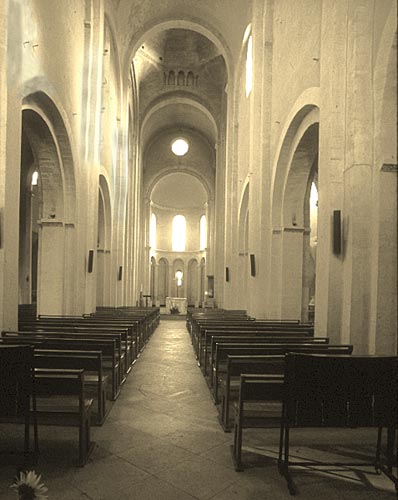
x=298, y=265
x=47, y=204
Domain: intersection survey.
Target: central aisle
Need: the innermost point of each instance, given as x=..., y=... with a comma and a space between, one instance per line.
x=162, y=437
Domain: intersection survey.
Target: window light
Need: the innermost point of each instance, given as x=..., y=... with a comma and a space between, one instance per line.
x=249, y=66
x=152, y=232
x=203, y=232
x=180, y=147
x=35, y=178
x=178, y=276
x=178, y=233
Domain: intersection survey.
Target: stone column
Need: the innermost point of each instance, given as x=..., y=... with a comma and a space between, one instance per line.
x=292, y=272
x=11, y=46
x=50, y=286
x=358, y=177
x=332, y=143
x=260, y=160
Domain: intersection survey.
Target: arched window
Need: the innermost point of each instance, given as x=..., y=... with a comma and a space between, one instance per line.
x=152, y=232
x=180, y=146
x=179, y=275
x=249, y=66
x=314, y=214
x=178, y=233
x=203, y=233
x=35, y=178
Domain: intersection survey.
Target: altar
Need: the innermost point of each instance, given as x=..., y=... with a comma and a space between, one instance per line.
x=181, y=303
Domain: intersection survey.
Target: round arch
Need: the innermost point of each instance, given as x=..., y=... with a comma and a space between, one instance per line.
x=302, y=121
x=44, y=133
x=200, y=26
x=294, y=267
x=178, y=169
x=171, y=100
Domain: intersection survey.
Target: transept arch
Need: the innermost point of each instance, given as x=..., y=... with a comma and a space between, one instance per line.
x=200, y=26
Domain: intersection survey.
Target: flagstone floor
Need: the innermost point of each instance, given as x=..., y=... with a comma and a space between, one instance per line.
x=162, y=441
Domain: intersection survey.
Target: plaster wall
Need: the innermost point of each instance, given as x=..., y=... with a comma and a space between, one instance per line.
x=296, y=56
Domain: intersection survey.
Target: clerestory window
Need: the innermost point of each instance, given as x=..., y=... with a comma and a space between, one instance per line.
x=179, y=233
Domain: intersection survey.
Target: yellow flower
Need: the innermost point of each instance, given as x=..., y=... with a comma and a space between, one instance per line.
x=28, y=486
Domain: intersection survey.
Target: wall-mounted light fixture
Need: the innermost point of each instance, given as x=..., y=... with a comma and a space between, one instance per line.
x=252, y=264
x=227, y=274
x=337, y=236
x=120, y=273
x=90, y=261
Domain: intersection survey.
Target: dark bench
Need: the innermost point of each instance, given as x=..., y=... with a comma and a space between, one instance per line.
x=106, y=346
x=224, y=350
x=259, y=404
x=364, y=394
x=89, y=361
x=249, y=324
x=253, y=327
x=60, y=400
x=128, y=340
x=229, y=381
x=253, y=337
x=17, y=400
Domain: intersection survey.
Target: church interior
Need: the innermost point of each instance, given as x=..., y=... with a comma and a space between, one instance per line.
x=170, y=167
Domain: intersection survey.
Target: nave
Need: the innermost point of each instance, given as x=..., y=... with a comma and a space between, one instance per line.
x=162, y=440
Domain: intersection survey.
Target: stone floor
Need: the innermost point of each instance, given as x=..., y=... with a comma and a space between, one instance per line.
x=162, y=441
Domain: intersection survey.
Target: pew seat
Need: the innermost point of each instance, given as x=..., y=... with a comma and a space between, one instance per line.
x=61, y=400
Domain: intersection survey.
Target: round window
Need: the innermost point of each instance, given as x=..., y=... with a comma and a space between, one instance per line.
x=180, y=147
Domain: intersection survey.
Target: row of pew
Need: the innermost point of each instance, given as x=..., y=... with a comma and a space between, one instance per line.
x=253, y=367
x=78, y=368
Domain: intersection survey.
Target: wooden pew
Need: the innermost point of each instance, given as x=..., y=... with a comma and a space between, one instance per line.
x=252, y=336
x=61, y=333
x=106, y=346
x=195, y=315
x=229, y=382
x=60, y=400
x=18, y=400
x=224, y=350
x=364, y=394
x=259, y=405
x=254, y=327
x=89, y=361
x=129, y=336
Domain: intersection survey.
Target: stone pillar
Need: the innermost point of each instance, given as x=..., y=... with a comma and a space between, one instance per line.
x=72, y=307
x=107, y=277
x=332, y=143
x=292, y=272
x=50, y=286
x=170, y=291
x=100, y=277
x=156, y=301
x=358, y=177
x=260, y=160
